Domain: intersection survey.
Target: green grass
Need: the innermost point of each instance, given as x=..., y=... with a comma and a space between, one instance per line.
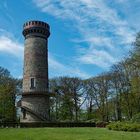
x=65, y=134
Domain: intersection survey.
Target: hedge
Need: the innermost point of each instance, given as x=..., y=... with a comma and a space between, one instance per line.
x=51, y=124
x=124, y=126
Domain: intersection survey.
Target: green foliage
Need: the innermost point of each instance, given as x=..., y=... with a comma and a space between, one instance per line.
x=124, y=126
x=66, y=109
x=67, y=103
x=136, y=118
x=8, y=89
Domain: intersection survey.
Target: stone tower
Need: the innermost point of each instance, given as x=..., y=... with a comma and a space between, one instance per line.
x=35, y=97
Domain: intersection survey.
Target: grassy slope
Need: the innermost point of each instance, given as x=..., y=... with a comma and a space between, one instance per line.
x=65, y=134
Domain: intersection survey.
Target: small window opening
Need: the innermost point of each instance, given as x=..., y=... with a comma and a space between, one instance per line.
x=32, y=83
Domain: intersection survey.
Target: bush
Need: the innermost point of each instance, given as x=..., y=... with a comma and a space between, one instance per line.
x=136, y=118
x=124, y=126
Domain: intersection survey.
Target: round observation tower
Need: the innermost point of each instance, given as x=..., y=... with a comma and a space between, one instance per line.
x=35, y=97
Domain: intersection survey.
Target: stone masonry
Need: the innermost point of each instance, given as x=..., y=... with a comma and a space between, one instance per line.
x=35, y=97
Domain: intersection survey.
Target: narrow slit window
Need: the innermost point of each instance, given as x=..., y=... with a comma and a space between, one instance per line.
x=32, y=83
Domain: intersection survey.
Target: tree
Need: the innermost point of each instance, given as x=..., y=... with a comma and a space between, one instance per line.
x=8, y=90
x=67, y=101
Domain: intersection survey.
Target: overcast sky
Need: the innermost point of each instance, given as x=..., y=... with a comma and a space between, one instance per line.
x=87, y=36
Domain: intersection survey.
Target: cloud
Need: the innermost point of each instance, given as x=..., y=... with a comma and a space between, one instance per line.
x=98, y=24
x=99, y=42
x=6, y=15
x=7, y=45
x=99, y=58
x=122, y=1
x=59, y=69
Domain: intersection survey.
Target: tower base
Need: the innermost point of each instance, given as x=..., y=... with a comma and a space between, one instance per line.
x=35, y=107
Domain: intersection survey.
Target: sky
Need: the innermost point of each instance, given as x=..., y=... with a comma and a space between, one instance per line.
x=87, y=36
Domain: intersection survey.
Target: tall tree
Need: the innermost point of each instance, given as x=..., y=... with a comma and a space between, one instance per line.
x=8, y=89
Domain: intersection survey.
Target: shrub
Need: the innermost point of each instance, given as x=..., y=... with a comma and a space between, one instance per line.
x=136, y=118
x=124, y=126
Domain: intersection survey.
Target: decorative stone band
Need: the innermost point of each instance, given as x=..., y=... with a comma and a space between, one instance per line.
x=36, y=76
x=35, y=94
x=35, y=23
x=36, y=28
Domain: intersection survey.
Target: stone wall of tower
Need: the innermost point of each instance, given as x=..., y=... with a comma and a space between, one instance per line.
x=35, y=64
x=38, y=105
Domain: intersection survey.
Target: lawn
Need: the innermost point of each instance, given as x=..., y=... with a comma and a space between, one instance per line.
x=65, y=134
